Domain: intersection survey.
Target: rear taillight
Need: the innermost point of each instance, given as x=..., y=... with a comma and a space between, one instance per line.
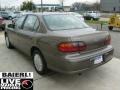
x=108, y=40
x=72, y=46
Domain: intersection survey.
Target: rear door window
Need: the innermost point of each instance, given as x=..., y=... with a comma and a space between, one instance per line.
x=20, y=22
x=31, y=23
x=37, y=24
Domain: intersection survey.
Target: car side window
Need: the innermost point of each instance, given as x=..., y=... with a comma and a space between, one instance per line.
x=31, y=23
x=19, y=22
x=37, y=24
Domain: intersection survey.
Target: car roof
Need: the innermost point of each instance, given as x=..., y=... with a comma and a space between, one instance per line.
x=47, y=13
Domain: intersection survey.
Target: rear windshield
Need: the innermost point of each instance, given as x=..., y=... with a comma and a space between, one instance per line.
x=64, y=22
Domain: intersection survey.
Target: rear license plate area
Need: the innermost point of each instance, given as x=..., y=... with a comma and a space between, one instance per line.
x=98, y=59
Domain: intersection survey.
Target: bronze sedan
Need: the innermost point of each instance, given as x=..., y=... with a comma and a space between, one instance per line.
x=60, y=42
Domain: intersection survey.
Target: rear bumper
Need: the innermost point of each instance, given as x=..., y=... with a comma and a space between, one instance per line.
x=77, y=63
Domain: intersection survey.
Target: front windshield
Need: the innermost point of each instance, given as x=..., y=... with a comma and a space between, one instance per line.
x=64, y=22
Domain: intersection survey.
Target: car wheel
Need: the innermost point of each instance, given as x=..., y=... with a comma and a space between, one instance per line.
x=88, y=18
x=8, y=44
x=3, y=28
x=10, y=18
x=110, y=28
x=39, y=62
x=96, y=19
x=92, y=19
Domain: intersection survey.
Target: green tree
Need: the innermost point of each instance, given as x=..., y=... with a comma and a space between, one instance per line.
x=28, y=5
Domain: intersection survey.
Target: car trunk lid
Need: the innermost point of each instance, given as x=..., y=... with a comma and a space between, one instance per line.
x=94, y=41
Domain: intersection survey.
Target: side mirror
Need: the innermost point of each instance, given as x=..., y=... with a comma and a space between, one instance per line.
x=11, y=26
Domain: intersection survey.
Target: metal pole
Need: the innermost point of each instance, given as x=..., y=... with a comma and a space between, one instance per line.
x=0, y=5
x=41, y=5
x=32, y=4
x=98, y=6
x=62, y=4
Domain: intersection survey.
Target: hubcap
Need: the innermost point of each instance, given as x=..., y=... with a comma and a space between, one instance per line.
x=38, y=62
x=10, y=18
x=7, y=41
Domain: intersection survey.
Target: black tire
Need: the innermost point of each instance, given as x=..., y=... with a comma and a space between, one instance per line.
x=3, y=27
x=95, y=19
x=89, y=18
x=92, y=19
x=110, y=28
x=43, y=70
x=10, y=18
x=8, y=44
